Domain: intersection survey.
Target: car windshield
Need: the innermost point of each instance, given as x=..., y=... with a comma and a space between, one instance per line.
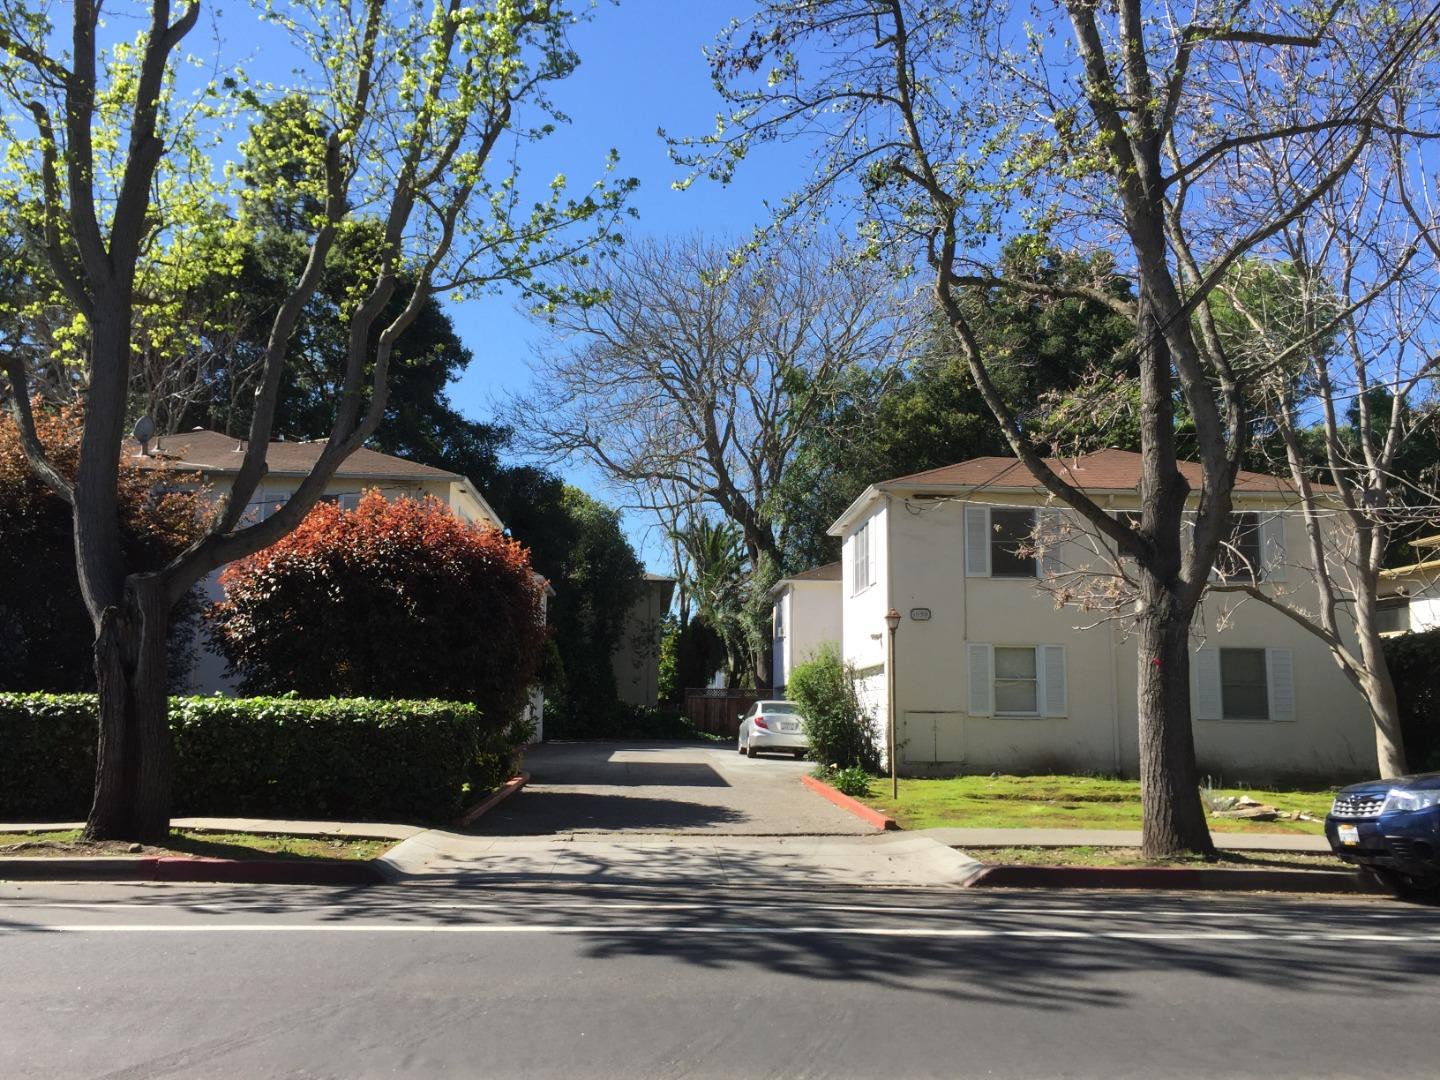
x=776, y=707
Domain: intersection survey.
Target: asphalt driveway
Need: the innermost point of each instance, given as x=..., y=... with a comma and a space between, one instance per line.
x=664, y=787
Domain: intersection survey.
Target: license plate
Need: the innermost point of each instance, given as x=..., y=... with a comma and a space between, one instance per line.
x=789, y=725
x=1349, y=834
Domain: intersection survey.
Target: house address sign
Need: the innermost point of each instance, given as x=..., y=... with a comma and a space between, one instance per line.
x=920, y=614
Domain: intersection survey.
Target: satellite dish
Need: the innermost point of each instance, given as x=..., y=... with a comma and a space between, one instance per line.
x=144, y=431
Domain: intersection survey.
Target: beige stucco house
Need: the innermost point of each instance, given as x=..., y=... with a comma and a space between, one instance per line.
x=807, y=614
x=211, y=460
x=992, y=673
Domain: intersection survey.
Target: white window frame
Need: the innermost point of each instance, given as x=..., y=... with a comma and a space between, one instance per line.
x=1038, y=679
x=1051, y=680
x=1209, y=688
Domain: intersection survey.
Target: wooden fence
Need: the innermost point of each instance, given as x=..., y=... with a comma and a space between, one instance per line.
x=718, y=711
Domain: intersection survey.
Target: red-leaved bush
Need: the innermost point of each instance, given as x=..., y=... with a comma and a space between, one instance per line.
x=390, y=600
x=46, y=635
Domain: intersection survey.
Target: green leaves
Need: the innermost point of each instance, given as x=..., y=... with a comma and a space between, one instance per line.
x=268, y=756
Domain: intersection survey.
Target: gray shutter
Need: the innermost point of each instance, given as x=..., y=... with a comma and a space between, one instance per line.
x=1208, y=703
x=1053, y=672
x=977, y=540
x=1051, y=527
x=1272, y=546
x=1279, y=670
x=981, y=686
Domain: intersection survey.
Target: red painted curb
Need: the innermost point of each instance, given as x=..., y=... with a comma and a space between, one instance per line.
x=1209, y=879
x=494, y=799
x=845, y=802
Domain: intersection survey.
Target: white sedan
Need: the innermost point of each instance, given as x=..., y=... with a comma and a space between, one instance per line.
x=772, y=725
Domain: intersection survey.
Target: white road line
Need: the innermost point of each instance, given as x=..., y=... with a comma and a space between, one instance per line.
x=750, y=931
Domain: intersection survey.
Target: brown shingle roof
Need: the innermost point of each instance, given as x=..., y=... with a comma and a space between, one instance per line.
x=1104, y=470
x=212, y=452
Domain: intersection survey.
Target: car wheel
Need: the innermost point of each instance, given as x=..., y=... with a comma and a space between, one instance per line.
x=799, y=755
x=749, y=751
x=1409, y=886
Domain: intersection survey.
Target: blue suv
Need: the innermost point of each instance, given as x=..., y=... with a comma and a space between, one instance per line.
x=1391, y=830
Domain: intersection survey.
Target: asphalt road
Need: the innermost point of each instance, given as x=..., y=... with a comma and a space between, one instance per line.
x=423, y=981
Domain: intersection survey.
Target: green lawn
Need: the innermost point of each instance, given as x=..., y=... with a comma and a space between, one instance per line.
x=209, y=844
x=1064, y=802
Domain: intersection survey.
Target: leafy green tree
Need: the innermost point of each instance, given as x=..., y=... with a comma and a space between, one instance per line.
x=598, y=577
x=111, y=168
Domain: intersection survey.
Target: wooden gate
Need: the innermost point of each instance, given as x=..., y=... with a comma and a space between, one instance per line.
x=718, y=711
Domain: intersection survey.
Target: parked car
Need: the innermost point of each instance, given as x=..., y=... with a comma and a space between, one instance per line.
x=1391, y=830
x=772, y=725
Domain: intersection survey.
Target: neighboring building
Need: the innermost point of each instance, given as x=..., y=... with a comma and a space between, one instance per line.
x=636, y=661
x=213, y=460
x=1410, y=595
x=992, y=674
x=807, y=612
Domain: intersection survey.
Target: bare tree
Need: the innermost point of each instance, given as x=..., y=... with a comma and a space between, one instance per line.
x=1352, y=356
x=953, y=124
x=416, y=103
x=694, y=377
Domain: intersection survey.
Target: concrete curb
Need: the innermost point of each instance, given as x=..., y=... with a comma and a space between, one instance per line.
x=494, y=799
x=180, y=868
x=845, y=802
x=1208, y=879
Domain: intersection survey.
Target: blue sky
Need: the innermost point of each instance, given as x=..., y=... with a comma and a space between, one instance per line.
x=641, y=69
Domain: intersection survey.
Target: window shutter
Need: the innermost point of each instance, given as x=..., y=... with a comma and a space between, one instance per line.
x=1053, y=668
x=981, y=685
x=871, y=555
x=1272, y=546
x=1279, y=669
x=1052, y=526
x=977, y=541
x=1208, y=704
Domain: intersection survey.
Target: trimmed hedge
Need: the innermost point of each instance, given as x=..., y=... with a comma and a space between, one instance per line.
x=266, y=757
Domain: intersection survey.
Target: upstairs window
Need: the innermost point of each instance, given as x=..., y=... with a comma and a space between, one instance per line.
x=861, y=560
x=1001, y=542
x=1242, y=555
x=1011, y=537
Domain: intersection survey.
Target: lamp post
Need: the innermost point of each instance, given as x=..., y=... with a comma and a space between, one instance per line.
x=892, y=620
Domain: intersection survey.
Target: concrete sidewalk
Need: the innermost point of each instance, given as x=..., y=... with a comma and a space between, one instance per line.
x=888, y=859
x=1122, y=838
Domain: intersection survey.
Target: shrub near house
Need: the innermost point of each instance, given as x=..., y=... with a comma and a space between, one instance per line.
x=390, y=600
x=837, y=726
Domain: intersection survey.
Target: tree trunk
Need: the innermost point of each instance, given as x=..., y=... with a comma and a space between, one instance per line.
x=133, y=761
x=1379, y=690
x=1173, y=821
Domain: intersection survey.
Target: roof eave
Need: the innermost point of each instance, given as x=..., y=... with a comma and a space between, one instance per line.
x=853, y=510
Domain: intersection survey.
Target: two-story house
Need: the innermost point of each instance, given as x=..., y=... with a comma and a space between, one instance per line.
x=211, y=460
x=992, y=672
